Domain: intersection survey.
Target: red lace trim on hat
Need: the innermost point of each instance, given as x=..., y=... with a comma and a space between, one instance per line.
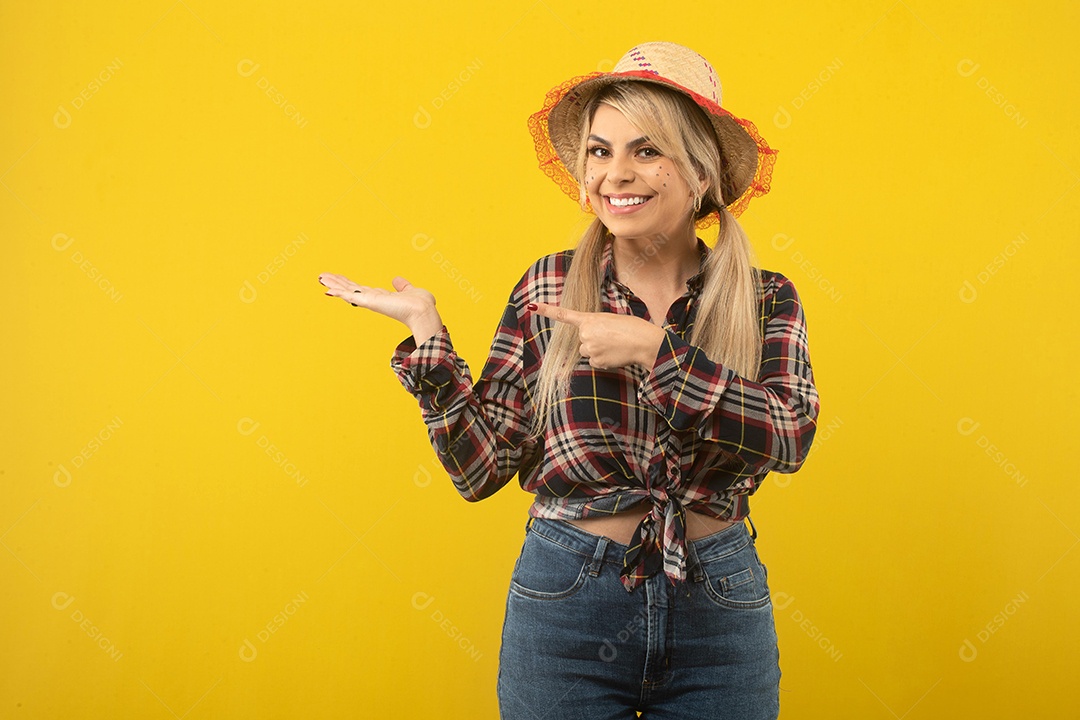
x=552, y=166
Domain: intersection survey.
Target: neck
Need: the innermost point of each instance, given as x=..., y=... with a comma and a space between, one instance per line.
x=659, y=264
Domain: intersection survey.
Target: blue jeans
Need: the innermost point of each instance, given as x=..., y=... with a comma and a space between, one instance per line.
x=576, y=644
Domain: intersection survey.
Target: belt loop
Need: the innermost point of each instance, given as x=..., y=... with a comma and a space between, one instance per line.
x=528, y=523
x=753, y=530
x=598, y=556
x=693, y=562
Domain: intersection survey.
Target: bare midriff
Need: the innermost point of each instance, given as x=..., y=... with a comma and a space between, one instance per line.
x=620, y=527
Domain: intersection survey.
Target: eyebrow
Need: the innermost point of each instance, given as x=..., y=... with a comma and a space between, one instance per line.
x=629, y=146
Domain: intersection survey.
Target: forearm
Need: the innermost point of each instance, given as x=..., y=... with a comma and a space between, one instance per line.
x=768, y=424
x=479, y=432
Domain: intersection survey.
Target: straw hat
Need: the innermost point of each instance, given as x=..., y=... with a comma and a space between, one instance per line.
x=747, y=159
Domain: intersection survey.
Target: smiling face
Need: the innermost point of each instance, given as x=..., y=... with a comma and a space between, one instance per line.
x=635, y=190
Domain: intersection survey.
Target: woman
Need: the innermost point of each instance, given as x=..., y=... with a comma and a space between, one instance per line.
x=641, y=385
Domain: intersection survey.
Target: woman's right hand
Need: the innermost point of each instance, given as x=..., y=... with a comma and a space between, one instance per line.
x=413, y=306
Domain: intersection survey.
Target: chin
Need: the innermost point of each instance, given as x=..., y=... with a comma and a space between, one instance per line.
x=631, y=226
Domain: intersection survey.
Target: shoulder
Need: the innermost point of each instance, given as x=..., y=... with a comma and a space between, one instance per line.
x=773, y=281
x=778, y=293
x=542, y=280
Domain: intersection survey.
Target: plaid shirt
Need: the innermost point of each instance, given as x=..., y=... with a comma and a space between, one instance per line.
x=688, y=434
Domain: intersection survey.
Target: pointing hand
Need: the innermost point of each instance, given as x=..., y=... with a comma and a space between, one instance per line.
x=609, y=340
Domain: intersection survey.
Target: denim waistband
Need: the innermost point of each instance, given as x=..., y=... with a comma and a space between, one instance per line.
x=605, y=550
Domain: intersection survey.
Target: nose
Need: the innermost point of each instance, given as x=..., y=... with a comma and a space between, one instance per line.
x=621, y=169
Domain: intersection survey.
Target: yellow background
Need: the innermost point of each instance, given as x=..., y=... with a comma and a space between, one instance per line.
x=217, y=500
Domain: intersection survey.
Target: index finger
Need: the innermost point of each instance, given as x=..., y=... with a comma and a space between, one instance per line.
x=555, y=312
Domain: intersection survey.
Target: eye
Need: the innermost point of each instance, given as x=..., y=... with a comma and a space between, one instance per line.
x=649, y=152
x=597, y=151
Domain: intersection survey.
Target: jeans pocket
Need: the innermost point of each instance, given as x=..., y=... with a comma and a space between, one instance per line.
x=546, y=570
x=737, y=580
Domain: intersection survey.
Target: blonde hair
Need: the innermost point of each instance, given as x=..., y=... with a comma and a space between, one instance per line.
x=726, y=326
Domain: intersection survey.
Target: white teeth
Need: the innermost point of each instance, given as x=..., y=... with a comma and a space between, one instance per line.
x=624, y=202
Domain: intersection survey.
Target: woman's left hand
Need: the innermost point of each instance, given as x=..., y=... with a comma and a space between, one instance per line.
x=609, y=340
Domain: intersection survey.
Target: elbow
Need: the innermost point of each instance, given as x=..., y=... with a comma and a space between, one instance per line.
x=788, y=450
x=476, y=480
x=482, y=489
x=789, y=466
x=802, y=424
x=475, y=495
x=799, y=449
